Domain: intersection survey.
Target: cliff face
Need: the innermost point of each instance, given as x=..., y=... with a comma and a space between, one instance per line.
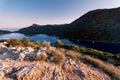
x=18, y=63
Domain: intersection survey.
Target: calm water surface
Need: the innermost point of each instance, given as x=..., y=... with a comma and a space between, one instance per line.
x=103, y=46
x=39, y=37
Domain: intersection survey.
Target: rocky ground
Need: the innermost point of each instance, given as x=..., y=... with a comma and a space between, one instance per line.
x=16, y=64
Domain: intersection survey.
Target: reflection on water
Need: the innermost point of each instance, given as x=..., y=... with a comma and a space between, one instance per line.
x=12, y=35
x=42, y=37
x=103, y=46
x=52, y=39
x=39, y=37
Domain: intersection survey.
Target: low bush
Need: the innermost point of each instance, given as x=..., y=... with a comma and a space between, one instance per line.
x=14, y=42
x=46, y=44
x=40, y=57
x=73, y=55
x=58, y=57
x=95, y=53
x=105, y=56
x=24, y=42
x=116, y=56
x=58, y=43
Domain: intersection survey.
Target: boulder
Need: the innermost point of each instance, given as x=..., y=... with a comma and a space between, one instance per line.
x=21, y=56
x=2, y=45
x=2, y=75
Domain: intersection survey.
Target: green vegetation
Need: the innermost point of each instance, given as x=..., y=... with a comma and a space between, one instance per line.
x=100, y=25
x=24, y=42
x=104, y=56
x=58, y=43
x=73, y=55
x=58, y=54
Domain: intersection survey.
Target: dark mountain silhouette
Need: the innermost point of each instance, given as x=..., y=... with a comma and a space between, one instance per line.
x=4, y=32
x=100, y=25
x=45, y=29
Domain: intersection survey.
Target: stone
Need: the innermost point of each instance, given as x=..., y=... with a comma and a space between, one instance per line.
x=21, y=56
x=2, y=75
x=51, y=58
x=24, y=66
x=2, y=45
x=43, y=48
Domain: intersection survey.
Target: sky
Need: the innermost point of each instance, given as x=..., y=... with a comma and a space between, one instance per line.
x=15, y=14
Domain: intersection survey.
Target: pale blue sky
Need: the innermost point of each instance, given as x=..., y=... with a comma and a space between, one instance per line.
x=15, y=14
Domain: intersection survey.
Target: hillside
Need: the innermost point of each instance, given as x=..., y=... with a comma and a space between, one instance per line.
x=45, y=29
x=100, y=25
x=41, y=61
x=4, y=32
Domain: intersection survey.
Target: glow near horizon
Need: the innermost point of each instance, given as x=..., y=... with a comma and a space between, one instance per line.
x=15, y=14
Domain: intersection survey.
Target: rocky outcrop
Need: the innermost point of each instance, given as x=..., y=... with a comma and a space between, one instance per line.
x=17, y=63
x=15, y=70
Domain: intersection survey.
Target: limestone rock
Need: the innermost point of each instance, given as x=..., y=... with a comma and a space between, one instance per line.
x=1, y=75
x=15, y=64
x=2, y=45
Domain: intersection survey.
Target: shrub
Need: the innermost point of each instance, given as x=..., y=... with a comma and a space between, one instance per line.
x=37, y=43
x=105, y=56
x=96, y=53
x=58, y=43
x=24, y=42
x=70, y=47
x=46, y=44
x=116, y=56
x=40, y=57
x=57, y=55
x=73, y=55
x=14, y=42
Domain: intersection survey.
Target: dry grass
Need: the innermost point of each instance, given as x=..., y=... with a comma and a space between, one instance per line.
x=24, y=42
x=109, y=68
x=58, y=56
x=73, y=55
x=40, y=57
x=46, y=44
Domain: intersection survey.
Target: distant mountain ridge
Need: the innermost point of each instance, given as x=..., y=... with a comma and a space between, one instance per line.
x=4, y=32
x=100, y=25
x=44, y=29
